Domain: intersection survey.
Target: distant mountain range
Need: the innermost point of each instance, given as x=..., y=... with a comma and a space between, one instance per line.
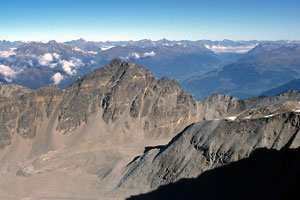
x=36, y=64
x=267, y=66
x=202, y=67
x=292, y=85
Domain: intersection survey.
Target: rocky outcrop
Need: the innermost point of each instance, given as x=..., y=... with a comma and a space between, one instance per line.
x=8, y=91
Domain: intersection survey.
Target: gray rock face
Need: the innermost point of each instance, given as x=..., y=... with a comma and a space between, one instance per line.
x=209, y=144
x=22, y=114
x=126, y=90
x=11, y=91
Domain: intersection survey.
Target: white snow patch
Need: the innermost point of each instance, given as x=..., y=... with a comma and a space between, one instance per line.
x=106, y=48
x=93, y=52
x=267, y=116
x=297, y=110
x=57, y=78
x=152, y=53
x=249, y=117
x=231, y=118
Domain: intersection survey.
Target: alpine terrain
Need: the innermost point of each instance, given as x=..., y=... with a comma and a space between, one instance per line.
x=119, y=132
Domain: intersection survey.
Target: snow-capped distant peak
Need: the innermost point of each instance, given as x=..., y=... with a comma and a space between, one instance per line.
x=93, y=52
x=106, y=48
x=152, y=53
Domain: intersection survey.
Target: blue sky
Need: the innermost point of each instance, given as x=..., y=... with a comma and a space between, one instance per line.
x=138, y=19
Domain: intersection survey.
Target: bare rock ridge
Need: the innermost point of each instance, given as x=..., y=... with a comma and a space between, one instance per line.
x=11, y=90
x=210, y=144
x=123, y=92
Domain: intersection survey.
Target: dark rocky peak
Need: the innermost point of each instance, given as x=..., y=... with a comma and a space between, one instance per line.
x=126, y=89
x=169, y=84
x=220, y=97
x=110, y=75
x=53, y=42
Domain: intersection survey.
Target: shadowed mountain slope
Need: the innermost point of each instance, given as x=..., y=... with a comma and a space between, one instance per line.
x=266, y=174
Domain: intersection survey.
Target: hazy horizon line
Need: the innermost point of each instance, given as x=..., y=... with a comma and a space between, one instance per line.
x=153, y=40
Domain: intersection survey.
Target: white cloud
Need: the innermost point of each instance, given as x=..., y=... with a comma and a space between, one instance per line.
x=68, y=65
x=46, y=59
x=8, y=73
x=55, y=55
x=6, y=54
x=52, y=65
x=152, y=53
x=135, y=55
x=57, y=78
x=230, y=49
x=78, y=49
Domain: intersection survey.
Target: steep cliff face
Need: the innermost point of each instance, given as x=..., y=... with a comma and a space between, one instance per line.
x=24, y=111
